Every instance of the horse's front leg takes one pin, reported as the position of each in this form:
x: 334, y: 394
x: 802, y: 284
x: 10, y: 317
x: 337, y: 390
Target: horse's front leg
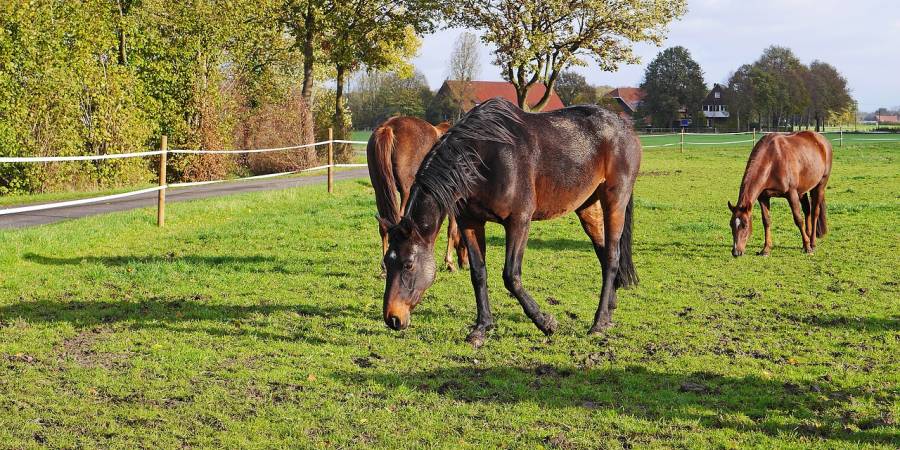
x: 767, y: 225
x: 516, y: 240
x: 472, y: 235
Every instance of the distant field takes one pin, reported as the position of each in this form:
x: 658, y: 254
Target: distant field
x: 254, y: 321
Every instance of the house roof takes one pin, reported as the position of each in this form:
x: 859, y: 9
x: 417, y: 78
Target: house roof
x: 630, y: 96
x: 481, y: 91
x: 711, y: 96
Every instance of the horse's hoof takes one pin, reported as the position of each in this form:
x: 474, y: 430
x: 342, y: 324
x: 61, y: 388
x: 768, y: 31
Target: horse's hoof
x: 809, y: 250
x: 550, y: 325
x: 476, y: 338
x: 600, y: 328
x: 763, y: 253
x: 451, y: 268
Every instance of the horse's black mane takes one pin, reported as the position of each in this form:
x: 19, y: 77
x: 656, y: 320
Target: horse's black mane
x: 453, y: 165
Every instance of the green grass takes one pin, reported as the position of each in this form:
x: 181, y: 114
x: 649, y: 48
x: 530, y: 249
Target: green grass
x: 254, y: 321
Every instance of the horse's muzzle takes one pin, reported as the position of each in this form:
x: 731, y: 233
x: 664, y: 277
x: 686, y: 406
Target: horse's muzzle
x: 395, y: 323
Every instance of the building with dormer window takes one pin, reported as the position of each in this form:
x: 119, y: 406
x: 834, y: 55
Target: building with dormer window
x: 714, y: 107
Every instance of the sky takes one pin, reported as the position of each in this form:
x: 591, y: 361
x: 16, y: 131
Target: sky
x: 860, y: 38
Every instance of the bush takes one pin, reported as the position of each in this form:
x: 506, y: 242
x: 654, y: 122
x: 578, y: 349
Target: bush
x: 281, y: 124
x: 323, y: 115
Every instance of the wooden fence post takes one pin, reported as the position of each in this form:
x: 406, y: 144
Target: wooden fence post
x: 842, y: 136
x: 161, y: 194
x: 330, y: 160
x: 754, y: 136
x: 682, y: 140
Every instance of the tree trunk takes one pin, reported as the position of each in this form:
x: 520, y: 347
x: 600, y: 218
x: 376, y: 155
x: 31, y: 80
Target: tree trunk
x: 123, y: 56
x: 309, y: 56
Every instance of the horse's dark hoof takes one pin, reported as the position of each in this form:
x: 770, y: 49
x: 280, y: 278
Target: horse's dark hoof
x: 476, y: 337
x: 809, y: 250
x: 763, y: 253
x: 549, y: 324
x: 600, y: 328
x: 451, y: 267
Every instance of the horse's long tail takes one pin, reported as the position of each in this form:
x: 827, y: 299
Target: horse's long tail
x: 627, y: 275
x: 381, y: 172
x: 822, y: 222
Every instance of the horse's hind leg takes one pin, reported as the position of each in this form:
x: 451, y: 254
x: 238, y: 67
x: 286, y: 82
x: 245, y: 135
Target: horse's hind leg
x: 816, y: 197
x: 591, y: 217
x: 615, y: 203
x: 794, y: 201
x: 807, y: 214
x: 516, y: 240
x: 452, y: 242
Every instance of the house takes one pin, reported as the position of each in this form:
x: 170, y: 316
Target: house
x: 714, y: 107
x: 628, y: 99
x: 475, y: 92
x: 883, y: 119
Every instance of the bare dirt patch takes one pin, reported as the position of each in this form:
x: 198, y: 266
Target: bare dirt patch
x: 80, y: 348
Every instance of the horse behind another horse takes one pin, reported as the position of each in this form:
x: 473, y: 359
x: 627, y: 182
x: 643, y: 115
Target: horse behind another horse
x: 394, y: 153
x: 795, y: 166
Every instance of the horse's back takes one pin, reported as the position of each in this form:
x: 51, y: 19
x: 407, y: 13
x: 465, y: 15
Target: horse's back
x: 796, y: 161
x: 575, y: 150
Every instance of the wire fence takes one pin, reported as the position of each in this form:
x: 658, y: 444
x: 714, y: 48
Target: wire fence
x: 648, y: 141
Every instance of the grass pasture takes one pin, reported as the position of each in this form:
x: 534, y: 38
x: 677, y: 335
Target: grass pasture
x: 254, y: 321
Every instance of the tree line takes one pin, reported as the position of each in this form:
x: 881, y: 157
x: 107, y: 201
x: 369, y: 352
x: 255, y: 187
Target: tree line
x: 112, y: 76
x: 776, y: 91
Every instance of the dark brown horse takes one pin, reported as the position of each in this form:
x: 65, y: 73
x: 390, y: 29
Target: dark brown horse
x: 395, y: 151
x: 503, y: 165
x: 789, y: 166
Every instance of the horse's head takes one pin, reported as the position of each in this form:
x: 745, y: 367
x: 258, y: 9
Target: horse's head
x: 410, y: 267
x: 741, y: 226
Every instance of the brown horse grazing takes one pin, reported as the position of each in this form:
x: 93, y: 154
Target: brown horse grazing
x: 504, y: 165
x: 395, y: 151
x: 784, y: 165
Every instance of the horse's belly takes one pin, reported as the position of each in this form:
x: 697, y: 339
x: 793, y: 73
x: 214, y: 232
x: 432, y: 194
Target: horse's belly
x: 553, y: 203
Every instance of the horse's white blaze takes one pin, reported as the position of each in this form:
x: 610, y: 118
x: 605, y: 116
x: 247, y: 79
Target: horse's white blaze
x: 392, y: 255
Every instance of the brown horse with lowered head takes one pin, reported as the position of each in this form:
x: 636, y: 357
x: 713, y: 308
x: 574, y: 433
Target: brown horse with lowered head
x: 795, y: 166
x: 503, y: 165
x: 394, y: 153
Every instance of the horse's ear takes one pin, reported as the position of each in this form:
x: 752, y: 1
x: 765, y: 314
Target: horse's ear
x: 408, y: 228
x: 730, y: 206
x: 385, y: 223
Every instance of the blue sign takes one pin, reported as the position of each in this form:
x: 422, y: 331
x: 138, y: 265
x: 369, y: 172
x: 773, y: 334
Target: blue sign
x: 685, y: 122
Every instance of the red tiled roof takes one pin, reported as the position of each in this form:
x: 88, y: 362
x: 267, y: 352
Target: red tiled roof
x: 632, y: 97
x: 482, y: 91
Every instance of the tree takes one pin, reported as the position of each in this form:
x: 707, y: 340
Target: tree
x: 377, y: 96
x: 828, y: 92
x: 465, y: 64
x: 787, y: 90
x: 376, y: 34
x: 673, y: 81
x: 536, y: 40
x: 573, y: 89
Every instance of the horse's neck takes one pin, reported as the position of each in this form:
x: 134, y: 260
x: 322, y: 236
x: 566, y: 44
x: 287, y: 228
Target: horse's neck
x: 752, y: 184
x: 425, y: 213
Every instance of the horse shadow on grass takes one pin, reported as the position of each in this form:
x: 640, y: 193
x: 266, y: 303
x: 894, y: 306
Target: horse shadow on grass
x: 816, y: 410
x: 255, y: 263
x: 190, y: 314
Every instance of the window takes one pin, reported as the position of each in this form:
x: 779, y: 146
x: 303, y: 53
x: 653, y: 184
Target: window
x: 718, y: 95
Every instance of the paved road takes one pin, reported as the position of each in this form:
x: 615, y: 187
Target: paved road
x: 173, y: 195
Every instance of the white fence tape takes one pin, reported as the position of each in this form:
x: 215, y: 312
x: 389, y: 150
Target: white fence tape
x: 83, y: 201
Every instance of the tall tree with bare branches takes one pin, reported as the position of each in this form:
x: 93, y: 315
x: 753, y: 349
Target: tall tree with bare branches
x: 465, y: 65
x: 535, y: 40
